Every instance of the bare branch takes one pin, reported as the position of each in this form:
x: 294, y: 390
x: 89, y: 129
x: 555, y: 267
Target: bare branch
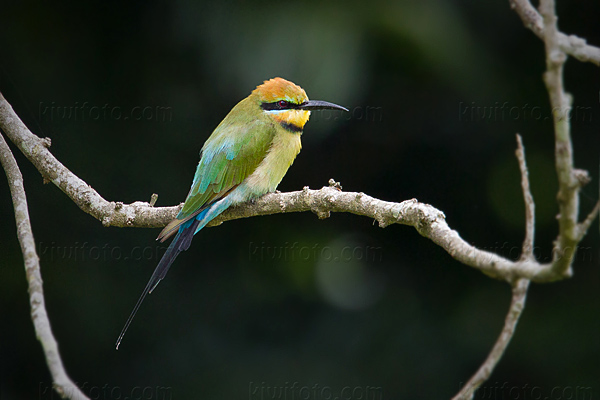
x: 62, y: 383
x: 429, y: 221
x: 568, y: 182
x: 517, y: 304
x: 572, y: 45
x: 527, y: 253
x: 519, y: 289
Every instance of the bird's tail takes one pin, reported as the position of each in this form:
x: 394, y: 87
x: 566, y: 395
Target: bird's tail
x: 180, y: 243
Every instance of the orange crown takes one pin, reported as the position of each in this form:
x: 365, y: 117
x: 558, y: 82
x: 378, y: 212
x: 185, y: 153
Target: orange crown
x: 280, y: 89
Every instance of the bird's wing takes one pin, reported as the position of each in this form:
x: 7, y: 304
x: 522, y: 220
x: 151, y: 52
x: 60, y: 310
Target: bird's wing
x: 231, y: 154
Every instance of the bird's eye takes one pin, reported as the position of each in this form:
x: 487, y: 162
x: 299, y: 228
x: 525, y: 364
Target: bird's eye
x: 283, y: 104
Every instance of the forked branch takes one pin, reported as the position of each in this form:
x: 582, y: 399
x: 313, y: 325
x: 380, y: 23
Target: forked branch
x: 519, y: 289
x: 572, y: 45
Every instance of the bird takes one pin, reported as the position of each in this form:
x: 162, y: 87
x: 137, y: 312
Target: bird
x: 245, y: 157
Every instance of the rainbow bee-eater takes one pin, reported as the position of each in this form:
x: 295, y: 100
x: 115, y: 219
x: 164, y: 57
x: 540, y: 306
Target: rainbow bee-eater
x: 246, y: 156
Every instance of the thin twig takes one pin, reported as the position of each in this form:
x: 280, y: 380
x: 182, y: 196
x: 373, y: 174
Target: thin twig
x: 527, y: 253
x: 517, y: 304
x: 62, y: 383
x: 583, y: 227
x: 572, y: 45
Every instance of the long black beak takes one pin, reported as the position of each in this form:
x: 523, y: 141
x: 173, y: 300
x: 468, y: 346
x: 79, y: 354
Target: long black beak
x: 320, y: 105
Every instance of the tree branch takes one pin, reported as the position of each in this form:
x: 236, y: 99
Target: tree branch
x: 568, y: 181
x: 517, y: 304
x: 427, y: 220
x: 572, y: 45
x: 62, y: 383
x: 519, y: 289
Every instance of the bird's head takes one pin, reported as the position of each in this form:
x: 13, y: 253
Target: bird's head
x: 288, y: 104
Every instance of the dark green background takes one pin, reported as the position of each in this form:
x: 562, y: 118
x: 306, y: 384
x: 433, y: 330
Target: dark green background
x: 411, y: 320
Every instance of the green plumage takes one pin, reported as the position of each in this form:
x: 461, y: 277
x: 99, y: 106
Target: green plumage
x: 243, y: 144
x: 233, y: 151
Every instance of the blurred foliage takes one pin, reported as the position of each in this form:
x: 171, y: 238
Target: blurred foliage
x: 437, y: 90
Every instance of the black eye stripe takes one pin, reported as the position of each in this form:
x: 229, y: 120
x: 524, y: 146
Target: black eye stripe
x: 279, y: 105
